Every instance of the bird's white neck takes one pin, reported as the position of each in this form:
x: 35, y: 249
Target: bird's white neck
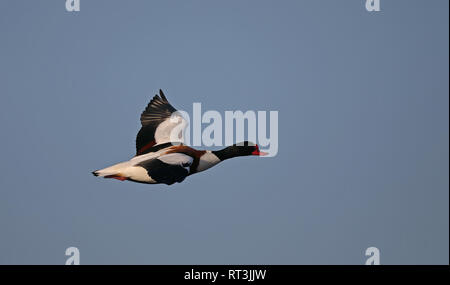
x: 207, y: 160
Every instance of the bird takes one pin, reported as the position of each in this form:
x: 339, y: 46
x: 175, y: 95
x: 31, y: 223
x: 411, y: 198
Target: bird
x: 161, y: 155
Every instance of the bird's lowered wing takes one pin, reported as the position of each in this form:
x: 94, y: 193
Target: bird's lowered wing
x: 168, y: 168
x: 161, y: 123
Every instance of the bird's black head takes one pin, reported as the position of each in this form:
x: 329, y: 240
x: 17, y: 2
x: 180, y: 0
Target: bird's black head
x: 240, y: 149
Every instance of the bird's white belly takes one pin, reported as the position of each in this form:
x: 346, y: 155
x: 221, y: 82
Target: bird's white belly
x: 138, y: 173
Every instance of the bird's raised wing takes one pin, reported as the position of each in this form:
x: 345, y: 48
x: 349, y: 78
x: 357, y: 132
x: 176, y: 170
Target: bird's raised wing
x: 161, y: 123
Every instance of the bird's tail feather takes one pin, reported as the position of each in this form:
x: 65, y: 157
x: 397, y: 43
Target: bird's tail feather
x: 110, y: 171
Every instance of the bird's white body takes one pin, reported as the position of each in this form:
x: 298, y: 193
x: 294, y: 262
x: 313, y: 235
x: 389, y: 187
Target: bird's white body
x: 131, y: 170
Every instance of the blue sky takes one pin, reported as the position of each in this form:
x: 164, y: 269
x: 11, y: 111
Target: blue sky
x: 363, y: 131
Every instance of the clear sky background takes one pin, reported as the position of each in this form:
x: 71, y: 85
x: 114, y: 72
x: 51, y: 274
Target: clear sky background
x: 363, y: 131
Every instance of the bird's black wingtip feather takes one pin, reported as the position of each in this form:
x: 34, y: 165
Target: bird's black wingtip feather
x: 161, y: 93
